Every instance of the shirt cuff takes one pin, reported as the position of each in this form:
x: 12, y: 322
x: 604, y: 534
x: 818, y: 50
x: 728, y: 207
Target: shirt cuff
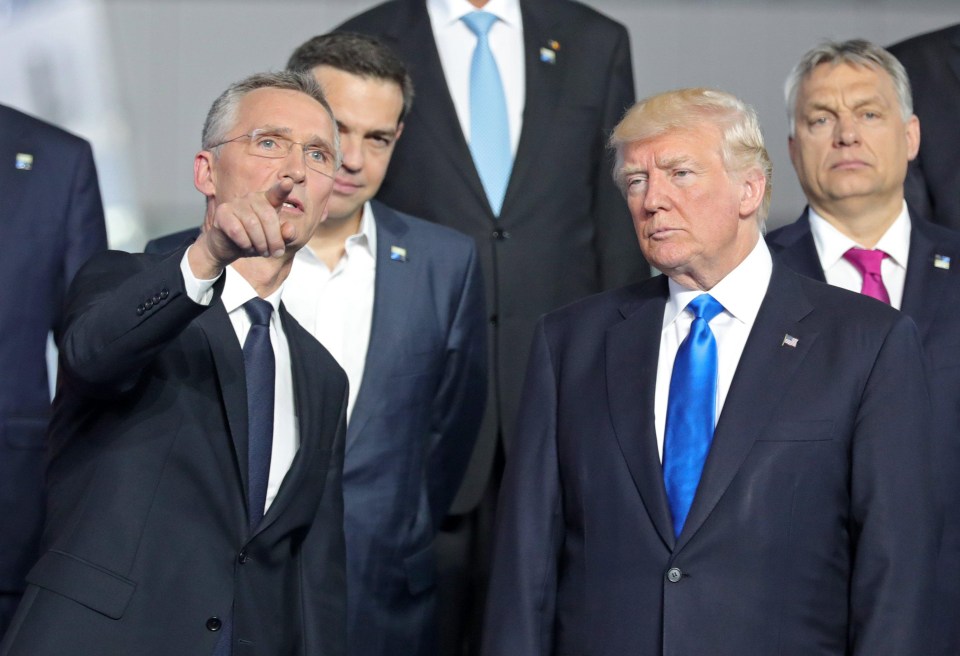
x: 200, y: 291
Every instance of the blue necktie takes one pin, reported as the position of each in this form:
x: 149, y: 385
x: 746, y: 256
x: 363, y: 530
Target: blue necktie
x: 489, y: 127
x: 691, y: 410
x: 259, y: 368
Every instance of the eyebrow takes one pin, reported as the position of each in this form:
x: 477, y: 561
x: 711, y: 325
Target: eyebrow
x: 312, y: 140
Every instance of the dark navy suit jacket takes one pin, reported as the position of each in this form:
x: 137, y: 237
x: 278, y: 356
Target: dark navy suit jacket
x: 931, y: 297
x: 813, y: 529
x: 413, y: 426
x: 51, y: 221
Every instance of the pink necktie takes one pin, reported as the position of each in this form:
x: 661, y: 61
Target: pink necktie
x: 868, y: 264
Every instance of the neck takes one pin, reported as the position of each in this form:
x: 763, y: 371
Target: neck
x: 329, y: 241
x: 479, y: 4
x: 265, y: 274
x: 862, y: 221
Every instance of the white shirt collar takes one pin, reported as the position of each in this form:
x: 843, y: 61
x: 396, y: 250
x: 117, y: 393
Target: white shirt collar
x: 237, y: 291
x: 448, y: 12
x: 832, y: 244
x: 364, y: 238
x: 740, y: 292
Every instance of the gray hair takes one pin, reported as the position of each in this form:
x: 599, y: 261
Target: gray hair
x: 222, y: 116
x: 741, y: 139
x: 856, y: 52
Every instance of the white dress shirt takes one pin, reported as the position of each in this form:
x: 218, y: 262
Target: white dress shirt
x: 740, y: 293
x: 336, y: 306
x: 832, y: 244
x: 455, y: 43
x: 236, y: 292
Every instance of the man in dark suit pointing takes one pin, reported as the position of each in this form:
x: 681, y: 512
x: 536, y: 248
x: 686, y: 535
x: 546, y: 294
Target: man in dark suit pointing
x: 196, y: 446
x: 726, y: 460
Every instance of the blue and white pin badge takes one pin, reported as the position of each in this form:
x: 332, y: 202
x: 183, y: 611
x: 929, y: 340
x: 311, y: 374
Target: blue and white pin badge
x: 789, y: 340
x: 941, y: 262
x: 398, y: 254
x: 548, y: 54
x: 24, y: 162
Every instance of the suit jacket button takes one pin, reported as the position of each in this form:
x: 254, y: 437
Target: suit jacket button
x: 493, y: 320
x: 141, y: 310
x: 164, y: 293
x: 500, y: 235
x: 674, y: 574
x: 214, y: 624
x: 156, y: 298
x: 242, y: 557
x: 148, y: 303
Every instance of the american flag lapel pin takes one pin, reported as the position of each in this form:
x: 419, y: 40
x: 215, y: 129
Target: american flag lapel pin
x: 941, y: 262
x: 548, y: 54
x: 24, y: 162
x: 789, y: 340
x: 398, y: 254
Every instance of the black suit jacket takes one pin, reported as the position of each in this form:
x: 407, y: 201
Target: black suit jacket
x: 413, y: 426
x: 564, y: 230
x: 933, y: 180
x: 931, y: 297
x: 813, y: 529
x: 51, y: 221
x: 146, y: 548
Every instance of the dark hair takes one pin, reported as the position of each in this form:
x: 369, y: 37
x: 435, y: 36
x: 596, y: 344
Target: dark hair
x: 357, y: 54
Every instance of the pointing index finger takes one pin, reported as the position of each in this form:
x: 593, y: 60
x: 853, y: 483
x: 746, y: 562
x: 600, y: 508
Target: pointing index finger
x: 278, y: 193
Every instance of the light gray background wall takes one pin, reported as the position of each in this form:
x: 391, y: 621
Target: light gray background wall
x: 173, y: 56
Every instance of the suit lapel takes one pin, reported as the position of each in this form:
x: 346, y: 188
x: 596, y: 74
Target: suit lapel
x: 632, y: 353
x: 395, y: 279
x: 765, y: 370
x: 797, y: 249
x: 228, y: 361
x: 542, y: 93
x: 14, y: 182
x: 924, y: 280
x: 434, y: 111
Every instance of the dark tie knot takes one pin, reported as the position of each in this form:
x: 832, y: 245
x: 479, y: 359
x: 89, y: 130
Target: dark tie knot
x: 705, y: 307
x: 259, y: 311
x: 867, y: 262
x: 480, y: 22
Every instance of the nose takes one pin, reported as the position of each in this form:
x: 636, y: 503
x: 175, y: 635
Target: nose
x: 655, y: 197
x: 352, y: 153
x: 294, y: 164
x: 847, y: 131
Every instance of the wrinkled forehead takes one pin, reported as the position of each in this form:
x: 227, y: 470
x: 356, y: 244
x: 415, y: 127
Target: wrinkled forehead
x: 285, y: 112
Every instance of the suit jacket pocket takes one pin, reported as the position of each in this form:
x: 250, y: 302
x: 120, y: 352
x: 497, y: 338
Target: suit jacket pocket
x: 421, y: 569
x: 799, y: 430
x: 24, y: 432
x: 92, y: 586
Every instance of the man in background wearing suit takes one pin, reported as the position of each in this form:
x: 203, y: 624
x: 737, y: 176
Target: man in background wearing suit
x: 729, y: 459
x: 399, y: 303
x: 852, y: 134
x: 933, y: 62
x: 196, y: 445
x: 51, y: 222
x: 506, y: 144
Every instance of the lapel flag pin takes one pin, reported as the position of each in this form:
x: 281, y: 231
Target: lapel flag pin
x: 789, y: 340
x: 548, y: 56
x: 398, y: 254
x: 941, y: 261
x: 24, y: 161
x: 554, y: 44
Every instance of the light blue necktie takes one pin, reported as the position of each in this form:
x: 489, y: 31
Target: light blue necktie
x: 691, y: 410
x: 489, y: 127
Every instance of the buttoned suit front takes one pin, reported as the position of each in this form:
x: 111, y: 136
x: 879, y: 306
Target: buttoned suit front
x: 931, y: 297
x: 51, y: 221
x: 413, y: 426
x: 147, y: 548
x: 813, y: 528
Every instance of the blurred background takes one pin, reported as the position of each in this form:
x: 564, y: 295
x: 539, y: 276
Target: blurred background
x: 136, y: 77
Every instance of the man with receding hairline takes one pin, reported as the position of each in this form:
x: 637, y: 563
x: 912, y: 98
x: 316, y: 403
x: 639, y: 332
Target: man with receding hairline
x: 196, y: 447
x: 726, y: 460
x: 853, y: 134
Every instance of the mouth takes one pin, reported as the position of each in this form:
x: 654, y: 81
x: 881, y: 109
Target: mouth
x: 342, y: 186
x: 849, y: 165
x: 293, y: 204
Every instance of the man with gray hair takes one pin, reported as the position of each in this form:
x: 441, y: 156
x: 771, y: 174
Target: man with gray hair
x: 726, y: 460
x: 196, y: 447
x: 852, y: 135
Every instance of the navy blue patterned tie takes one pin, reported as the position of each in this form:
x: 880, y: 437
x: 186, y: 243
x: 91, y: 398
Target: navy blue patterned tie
x: 259, y: 367
x: 691, y: 410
